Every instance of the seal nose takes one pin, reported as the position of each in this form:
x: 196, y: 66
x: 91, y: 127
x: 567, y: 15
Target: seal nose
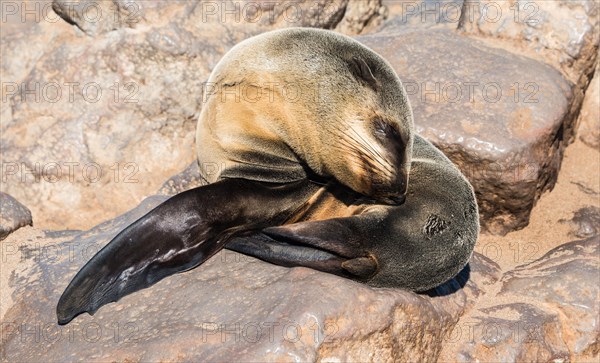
x: 393, y: 199
x: 398, y: 199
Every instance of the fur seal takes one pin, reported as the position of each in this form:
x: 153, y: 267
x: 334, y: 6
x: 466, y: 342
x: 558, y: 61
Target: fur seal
x: 417, y: 245
x: 319, y: 182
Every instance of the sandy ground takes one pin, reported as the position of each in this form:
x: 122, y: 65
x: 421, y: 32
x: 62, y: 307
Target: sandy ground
x: 578, y: 186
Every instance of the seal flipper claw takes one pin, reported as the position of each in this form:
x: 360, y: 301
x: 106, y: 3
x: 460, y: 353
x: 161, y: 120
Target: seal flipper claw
x: 176, y: 236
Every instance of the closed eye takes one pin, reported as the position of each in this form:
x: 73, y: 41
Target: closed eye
x: 381, y: 127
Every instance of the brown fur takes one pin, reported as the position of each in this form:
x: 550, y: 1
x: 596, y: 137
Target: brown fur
x: 326, y: 125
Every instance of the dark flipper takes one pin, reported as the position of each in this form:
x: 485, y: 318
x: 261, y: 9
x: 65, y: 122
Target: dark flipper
x: 176, y: 236
x: 329, y: 246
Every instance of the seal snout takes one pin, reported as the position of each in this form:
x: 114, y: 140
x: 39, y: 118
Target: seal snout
x: 394, y: 191
x: 394, y: 199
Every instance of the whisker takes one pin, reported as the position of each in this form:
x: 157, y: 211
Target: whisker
x: 367, y: 151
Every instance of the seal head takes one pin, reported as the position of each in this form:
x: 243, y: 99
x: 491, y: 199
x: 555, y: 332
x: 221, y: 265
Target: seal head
x: 301, y: 103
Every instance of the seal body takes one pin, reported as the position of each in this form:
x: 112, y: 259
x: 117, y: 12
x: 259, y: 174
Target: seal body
x: 417, y: 245
x: 306, y: 142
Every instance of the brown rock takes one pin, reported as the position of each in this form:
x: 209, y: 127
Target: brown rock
x: 13, y: 215
x: 231, y: 308
x: 545, y: 310
x: 566, y: 279
x: 361, y: 16
x: 565, y: 32
x: 110, y: 117
x: 422, y: 14
x: 98, y: 16
x: 529, y: 334
x: 503, y: 119
x: 589, y: 116
x: 28, y: 30
x: 187, y: 179
x: 562, y: 33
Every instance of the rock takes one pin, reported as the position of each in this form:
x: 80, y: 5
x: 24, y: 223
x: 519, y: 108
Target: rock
x: 585, y: 222
x: 187, y: 179
x: 361, y: 16
x: 566, y: 32
x: 502, y: 118
x: 98, y: 16
x: 589, y: 116
x: 566, y: 278
x: 562, y: 33
x: 545, y: 310
x: 232, y: 307
x: 28, y: 30
x: 529, y: 335
x: 99, y: 120
x: 105, y: 142
x: 13, y: 216
x: 423, y: 14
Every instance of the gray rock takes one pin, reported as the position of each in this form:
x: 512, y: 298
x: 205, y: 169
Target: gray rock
x: 546, y: 310
x: 233, y: 308
x: 13, y: 215
x: 503, y: 119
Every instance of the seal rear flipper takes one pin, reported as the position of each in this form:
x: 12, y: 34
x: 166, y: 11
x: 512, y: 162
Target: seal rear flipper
x: 176, y: 236
x: 280, y: 253
x: 328, y: 246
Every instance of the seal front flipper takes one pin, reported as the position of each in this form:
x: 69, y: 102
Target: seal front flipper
x: 176, y: 236
x: 330, y: 246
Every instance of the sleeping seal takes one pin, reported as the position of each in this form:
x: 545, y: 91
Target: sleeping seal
x: 320, y: 179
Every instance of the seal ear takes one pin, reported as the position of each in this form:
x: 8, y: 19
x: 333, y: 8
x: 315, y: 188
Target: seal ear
x: 361, y: 70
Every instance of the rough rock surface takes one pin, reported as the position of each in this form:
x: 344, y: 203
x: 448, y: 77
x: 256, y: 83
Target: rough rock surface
x: 97, y: 119
x: 232, y: 307
x: 564, y: 31
x: 361, y: 16
x: 13, y: 215
x: 504, y: 119
x: 351, y: 17
x: 422, y: 14
x: 589, y: 117
x: 95, y: 17
x: 553, y: 308
x: 187, y: 179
